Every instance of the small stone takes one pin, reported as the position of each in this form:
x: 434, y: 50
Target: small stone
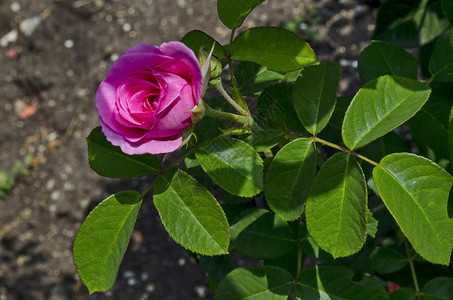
x: 150, y: 288
x: 114, y: 57
x: 69, y: 44
x: 144, y: 276
x: 128, y: 274
x: 15, y: 7
x: 55, y: 195
x: 201, y: 291
x: 21, y: 260
x: 131, y: 282
x: 127, y: 27
x: 50, y: 184
x: 181, y: 261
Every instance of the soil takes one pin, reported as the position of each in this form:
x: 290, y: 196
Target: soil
x: 48, y: 81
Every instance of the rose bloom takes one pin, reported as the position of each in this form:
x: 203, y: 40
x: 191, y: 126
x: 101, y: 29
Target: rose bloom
x: 144, y: 101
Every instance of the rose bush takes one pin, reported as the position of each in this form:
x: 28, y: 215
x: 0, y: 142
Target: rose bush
x: 144, y: 101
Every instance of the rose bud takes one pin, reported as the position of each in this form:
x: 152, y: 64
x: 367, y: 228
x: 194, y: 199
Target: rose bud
x: 144, y: 103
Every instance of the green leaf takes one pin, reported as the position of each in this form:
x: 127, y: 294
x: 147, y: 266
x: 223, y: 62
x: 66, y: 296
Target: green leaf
x: 387, y: 260
x: 264, y: 140
x: 273, y: 48
x: 216, y: 267
x: 256, y: 283
x: 287, y: 261
x: 309, y: 246
x: 439, y: 288
x: 289, y: 178
x: 315, y: 95
x: 336, y: 209
x: 450, y: 134
x: 409, y: 23
x: 332, y: 132
x: 259, y: 233
x: 102, y: 153
x: 441, y: 61
x: 380, y: 106
x: 335, y: 282
x: 415, y: 191
x: 276, y: 110
x: 233, y: 12
x: 447, y: 7
x: 190, y: 214
x: 384, y: 58
x: 233, y: 165
x: 252, y: 78
x: 197, y: 39
x: 429, y: 129
x: 372, y: 225
x: 403, y: 294
x: 376, y: 150
x: 102, y: 240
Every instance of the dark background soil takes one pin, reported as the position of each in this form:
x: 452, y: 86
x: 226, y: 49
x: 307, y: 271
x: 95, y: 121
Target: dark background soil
x: 56, y: 70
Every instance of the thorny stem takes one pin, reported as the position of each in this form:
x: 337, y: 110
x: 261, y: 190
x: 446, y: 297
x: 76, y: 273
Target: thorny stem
x: 411, y: 264
x: 230, y: 100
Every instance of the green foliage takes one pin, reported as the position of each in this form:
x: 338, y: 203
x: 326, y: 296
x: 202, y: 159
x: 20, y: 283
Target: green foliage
x: 184, y: 206
x: 384, y: 58
x: 387, y: 260
x: 419, y: 209
x: 335, y: 282
x: 409, y: 23
x: 276, y: 110
x: 102, y: 153
x: 336, y: 209
x: 255, y: 283
x: 252, y: 78
x: 429, y: 128
x: 438, y: 288
x: 289, y: 178
x: 197, y: 40
x: 304, y: 175
x: 441, y: 62
x: 259, y: 233
x: 233, y: 165
x: 315, y: 95
x: 102, y: 240
x: 274, y: 48
x: 380, y: 106
x: 233, y: 12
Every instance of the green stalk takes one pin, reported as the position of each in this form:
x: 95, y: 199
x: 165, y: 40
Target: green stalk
x: 411, y: 265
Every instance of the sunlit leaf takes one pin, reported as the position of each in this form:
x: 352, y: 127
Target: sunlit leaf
x: 273, y: 48
x: 190, y: 214
x: 232, y: 164
x: 381, y: 105
x: 336, y: 209
x: 102, y: 240
x: 289, y: 178
x: 415, y: 191
x: 315, y: 95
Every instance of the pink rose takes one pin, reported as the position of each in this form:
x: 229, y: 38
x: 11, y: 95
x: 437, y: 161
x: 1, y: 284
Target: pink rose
x: 143, y: 102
